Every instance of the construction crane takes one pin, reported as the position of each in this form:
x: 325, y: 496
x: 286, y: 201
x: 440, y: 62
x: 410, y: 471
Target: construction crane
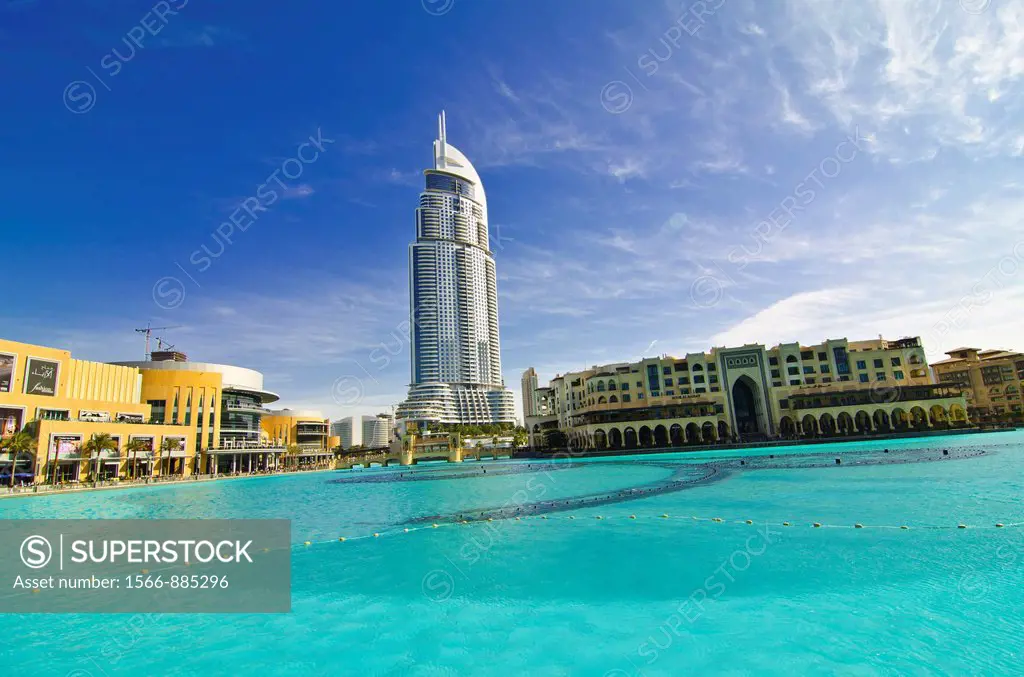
x: 148, y: 331
x: 162, y: 345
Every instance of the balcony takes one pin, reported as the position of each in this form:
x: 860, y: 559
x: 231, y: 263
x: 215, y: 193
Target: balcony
x: 247, y: 407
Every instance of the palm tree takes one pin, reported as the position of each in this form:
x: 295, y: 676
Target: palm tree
x: 520, y: 438
x: 20, y: 443
x: 133, y: 447
x: 168, y: 444
x: 97, y: 444
x: 292, y: 450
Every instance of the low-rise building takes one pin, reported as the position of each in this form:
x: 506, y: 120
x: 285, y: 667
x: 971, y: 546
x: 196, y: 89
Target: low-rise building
x: 747, y: 393
x: 62, y: 402
x: 992, y: 381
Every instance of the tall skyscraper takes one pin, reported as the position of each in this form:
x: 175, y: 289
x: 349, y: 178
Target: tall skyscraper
x: 453, y: 290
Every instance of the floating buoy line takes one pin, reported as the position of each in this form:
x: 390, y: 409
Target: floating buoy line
x: 629, y: 519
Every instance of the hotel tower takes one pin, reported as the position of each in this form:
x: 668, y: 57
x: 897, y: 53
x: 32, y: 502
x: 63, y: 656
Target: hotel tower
x: 453, y: 295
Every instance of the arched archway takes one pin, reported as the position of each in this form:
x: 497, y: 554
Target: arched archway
x: 676, y: 435
x: 899, y: 419
x: 745, y: 405
x: 615, y: 438
x: 660, y: 436
x: 862, y: 421
x: 881, y: 420
x: 613, y: 399
x: 810, y: 425
x: 918, y: 418
x: 646, y: 439
x: 630, y: 438
x: 723, y: 430
x: 692, y: 433
x: 938, y: 417
x: 600, y: 439
x: 957, y: 415
x: 844, y: 422
x: 828, y: 424
x: 602, y: 400
x: 786, y: 427
x: 707, y: 431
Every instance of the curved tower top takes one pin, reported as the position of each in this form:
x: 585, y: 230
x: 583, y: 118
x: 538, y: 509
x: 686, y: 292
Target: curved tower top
x: 448, y: 158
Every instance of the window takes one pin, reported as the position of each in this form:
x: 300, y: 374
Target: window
x: 878, y: 364
x: 827, y: 379
x: 682, y: 380
x: 666, y: 370
x: 711, y: 367
x: 158, y: 410
x: 824, y: 368
x: 625, y: 386
x: 668, y: 381
x: 879, y: 375
x: 625, y: 397
x: 809, y: 380
x: 808, y: 369
x: 639, y: 396
x: 861, y: 364
x: 719, y: 409
x: 775, y: 373
x: 897, y: 374
x: 790, y: 359
x: 895, y: 361
x: 794, y: 381
x: 776, y: 384
x: 774, y: 361
x: 822, y: 357
x: 670, y: 392
x: 679, y: 366
x: 698, y: 379
x: 715, y: 389
x: 863, y: 378
x: 806, y: 354
x: 696, y: 367
x: 793, y: 371
x: 844, y: 378
x: 701, y: 390
x: 639, y: 384
x: 783, y: 404
x: 53, y: 414
x: 684, y: 391
x: 713, y: 379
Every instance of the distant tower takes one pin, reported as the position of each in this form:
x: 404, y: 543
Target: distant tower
x: 456, y: 353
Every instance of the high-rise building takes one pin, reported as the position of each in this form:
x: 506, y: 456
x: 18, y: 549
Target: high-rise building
x: 343, y: 429
x: 529, y: 386
x: 456, y: 354
x: 377, y: 431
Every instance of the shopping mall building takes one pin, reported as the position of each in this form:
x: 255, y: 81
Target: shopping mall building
x: 167, y: 417
x: 745, y: 393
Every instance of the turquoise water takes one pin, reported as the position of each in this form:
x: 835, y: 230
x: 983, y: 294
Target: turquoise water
x: 616, y: 596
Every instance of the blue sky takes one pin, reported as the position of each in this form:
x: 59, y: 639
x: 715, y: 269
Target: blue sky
x: 662, y: 177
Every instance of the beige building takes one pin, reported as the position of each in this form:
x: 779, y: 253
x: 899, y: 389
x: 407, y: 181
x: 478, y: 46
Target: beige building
x: 991, y: 381
x: 749, y: 393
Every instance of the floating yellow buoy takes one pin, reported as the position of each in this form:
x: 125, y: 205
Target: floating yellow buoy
x: 543, y: 517
x: 999, y: 525
x: 961, y: 526
x: 858, y: 525
x: 817, y: 525
x: 490, y: 519
x: 517, y: 519
x: 785, y: 524
x: 571, y: 517
x: 664, y: 516
x: 904, y: 527
x: 599, y: 517
x: 376, y: 535
x: 308, y: 543
x: 750, y: 521
x: 632, y: 517
x: 407, y: 530
x: 435, y: 526
x: 341, y: 539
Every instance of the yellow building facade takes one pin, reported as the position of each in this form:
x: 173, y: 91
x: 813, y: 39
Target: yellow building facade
x: 747, y: 393
x: 62, y: 402
x: 992, y: 381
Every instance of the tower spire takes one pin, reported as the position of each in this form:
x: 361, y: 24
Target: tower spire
x: 442, y: 134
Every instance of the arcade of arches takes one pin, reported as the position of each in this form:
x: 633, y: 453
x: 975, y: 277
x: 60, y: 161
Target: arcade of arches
x: 833, y: 421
